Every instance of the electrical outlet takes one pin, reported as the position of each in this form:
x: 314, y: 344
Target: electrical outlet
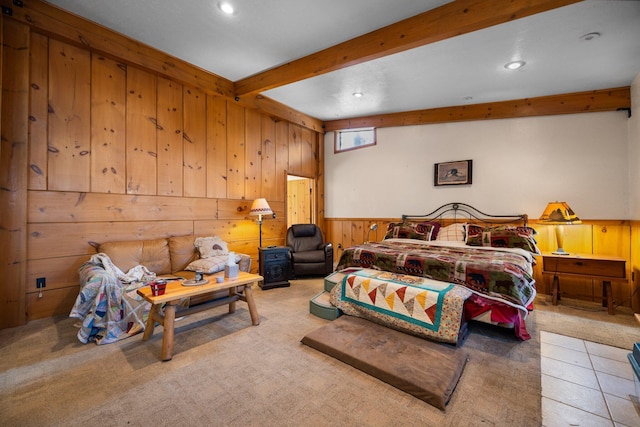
x: 41, y: 282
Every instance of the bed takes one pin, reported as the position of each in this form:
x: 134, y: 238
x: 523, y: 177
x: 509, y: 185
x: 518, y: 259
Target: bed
x: 492, y: 256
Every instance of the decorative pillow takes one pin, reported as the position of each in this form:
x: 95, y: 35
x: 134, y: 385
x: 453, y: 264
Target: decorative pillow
x: 410, y: 230
x: 210, y: 246
x: 435, y: 231
x: 453, y: 233
x: 504, y: 236
x: 212, y: 264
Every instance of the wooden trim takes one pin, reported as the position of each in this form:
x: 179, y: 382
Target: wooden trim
x: 570, y: 103
x: 451, y: 20
x: 275, y: 108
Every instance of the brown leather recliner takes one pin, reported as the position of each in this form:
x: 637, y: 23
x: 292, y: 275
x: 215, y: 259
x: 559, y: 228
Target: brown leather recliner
x: 310, y: 254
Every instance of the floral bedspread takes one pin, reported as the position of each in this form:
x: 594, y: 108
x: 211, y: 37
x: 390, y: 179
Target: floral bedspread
x: 416, y: 305
x: 110, y: 310
x: 494, y: 274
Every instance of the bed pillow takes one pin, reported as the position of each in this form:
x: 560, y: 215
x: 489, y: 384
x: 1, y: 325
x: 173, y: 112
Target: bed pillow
x: 210, y: 246
x: 452, y: 233
x: 504, y: 236
x: 410, y: 230
x: 435, y: 230
x: 212, y: 264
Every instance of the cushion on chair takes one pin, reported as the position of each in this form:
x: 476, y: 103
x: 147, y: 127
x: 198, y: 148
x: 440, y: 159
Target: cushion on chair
x: 309, y: 256
x: 153, y: 254
x: 182, y: 252
x: 303, y: 230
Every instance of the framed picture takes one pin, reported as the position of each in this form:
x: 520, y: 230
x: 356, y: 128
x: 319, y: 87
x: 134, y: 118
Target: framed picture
x: 453, y: 173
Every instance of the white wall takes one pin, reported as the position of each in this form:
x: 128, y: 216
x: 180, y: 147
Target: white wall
x: 518, y: 166
x: 634, y: 150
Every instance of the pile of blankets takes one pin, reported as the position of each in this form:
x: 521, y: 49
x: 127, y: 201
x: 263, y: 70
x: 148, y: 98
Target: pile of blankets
x: 108, y: 305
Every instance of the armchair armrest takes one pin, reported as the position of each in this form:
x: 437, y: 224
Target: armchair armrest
x: 327, y: 247
x: 245, y: 263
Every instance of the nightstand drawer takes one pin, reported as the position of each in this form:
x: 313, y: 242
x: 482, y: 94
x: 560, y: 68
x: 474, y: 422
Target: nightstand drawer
x: 586, y: 267
x: 276, y: 254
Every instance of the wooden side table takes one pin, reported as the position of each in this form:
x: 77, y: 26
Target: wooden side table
x: 275, y: 267
x: 580, y: 266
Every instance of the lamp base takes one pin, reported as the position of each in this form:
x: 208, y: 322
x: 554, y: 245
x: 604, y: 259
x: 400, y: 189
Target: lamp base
x: 560, y: 251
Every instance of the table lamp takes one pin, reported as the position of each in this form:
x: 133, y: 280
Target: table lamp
x: 559, y: 214
x: 260, y: 207
x: 372, y: 227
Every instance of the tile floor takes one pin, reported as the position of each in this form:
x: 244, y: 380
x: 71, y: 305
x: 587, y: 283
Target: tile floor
x: 585, y: 383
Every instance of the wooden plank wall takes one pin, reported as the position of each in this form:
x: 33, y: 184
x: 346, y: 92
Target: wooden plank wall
x: 13, y: 172
x: 612, y: 238
x: 112, y: 151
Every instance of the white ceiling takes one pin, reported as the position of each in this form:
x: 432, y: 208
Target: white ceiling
x: 467, y: 69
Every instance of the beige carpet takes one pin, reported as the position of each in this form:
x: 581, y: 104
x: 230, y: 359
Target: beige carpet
x: 227, y: 372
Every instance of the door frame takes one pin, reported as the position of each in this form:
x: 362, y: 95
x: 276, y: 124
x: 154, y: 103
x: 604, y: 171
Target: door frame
x: 313, y: 185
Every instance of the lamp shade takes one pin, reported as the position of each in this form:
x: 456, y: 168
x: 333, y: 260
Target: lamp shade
x: 260, y: 207
x: 559, y: 213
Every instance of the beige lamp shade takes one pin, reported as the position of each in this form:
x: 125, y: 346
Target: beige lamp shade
x: 559, y: 214
x: 260, y: 207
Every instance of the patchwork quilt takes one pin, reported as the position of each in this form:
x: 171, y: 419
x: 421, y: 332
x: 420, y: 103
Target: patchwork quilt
x: 109, y: 309
x: 416, y: 305
x: 494, y: 274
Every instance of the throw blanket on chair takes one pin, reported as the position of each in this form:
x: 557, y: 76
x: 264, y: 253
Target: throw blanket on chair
x: 417, y: 305
x: 108, y: 305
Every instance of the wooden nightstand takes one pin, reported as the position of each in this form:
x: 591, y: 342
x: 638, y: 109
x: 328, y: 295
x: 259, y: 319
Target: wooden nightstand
x: 275, y: 267
x: 580, y: 266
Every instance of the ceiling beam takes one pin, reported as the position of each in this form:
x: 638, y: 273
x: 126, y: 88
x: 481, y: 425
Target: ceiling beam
x: 570, y: 103
x: 450, y: 20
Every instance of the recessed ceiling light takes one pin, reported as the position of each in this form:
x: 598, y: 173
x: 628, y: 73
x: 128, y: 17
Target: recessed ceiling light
x: 590, y: 36
x: 357, y: 94
x: 226, y: 8
x: 514, y: 65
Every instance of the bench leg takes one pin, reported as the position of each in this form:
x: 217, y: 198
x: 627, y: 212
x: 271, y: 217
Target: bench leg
x: 151, y: 323
x: 168, y: 333
x: 607, y: 297
x: 555, y: 290
x: 253, y: 310
x: 232, y: 305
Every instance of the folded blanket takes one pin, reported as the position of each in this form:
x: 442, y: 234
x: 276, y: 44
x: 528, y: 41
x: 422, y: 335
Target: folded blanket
x: 416, y: 305
x: 136, y: 274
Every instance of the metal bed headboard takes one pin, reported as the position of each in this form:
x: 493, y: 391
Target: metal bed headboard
x: 455, y: 209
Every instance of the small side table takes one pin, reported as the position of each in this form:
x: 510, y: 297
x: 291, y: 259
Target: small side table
x: 595, y: 267
x: 275, y: 267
